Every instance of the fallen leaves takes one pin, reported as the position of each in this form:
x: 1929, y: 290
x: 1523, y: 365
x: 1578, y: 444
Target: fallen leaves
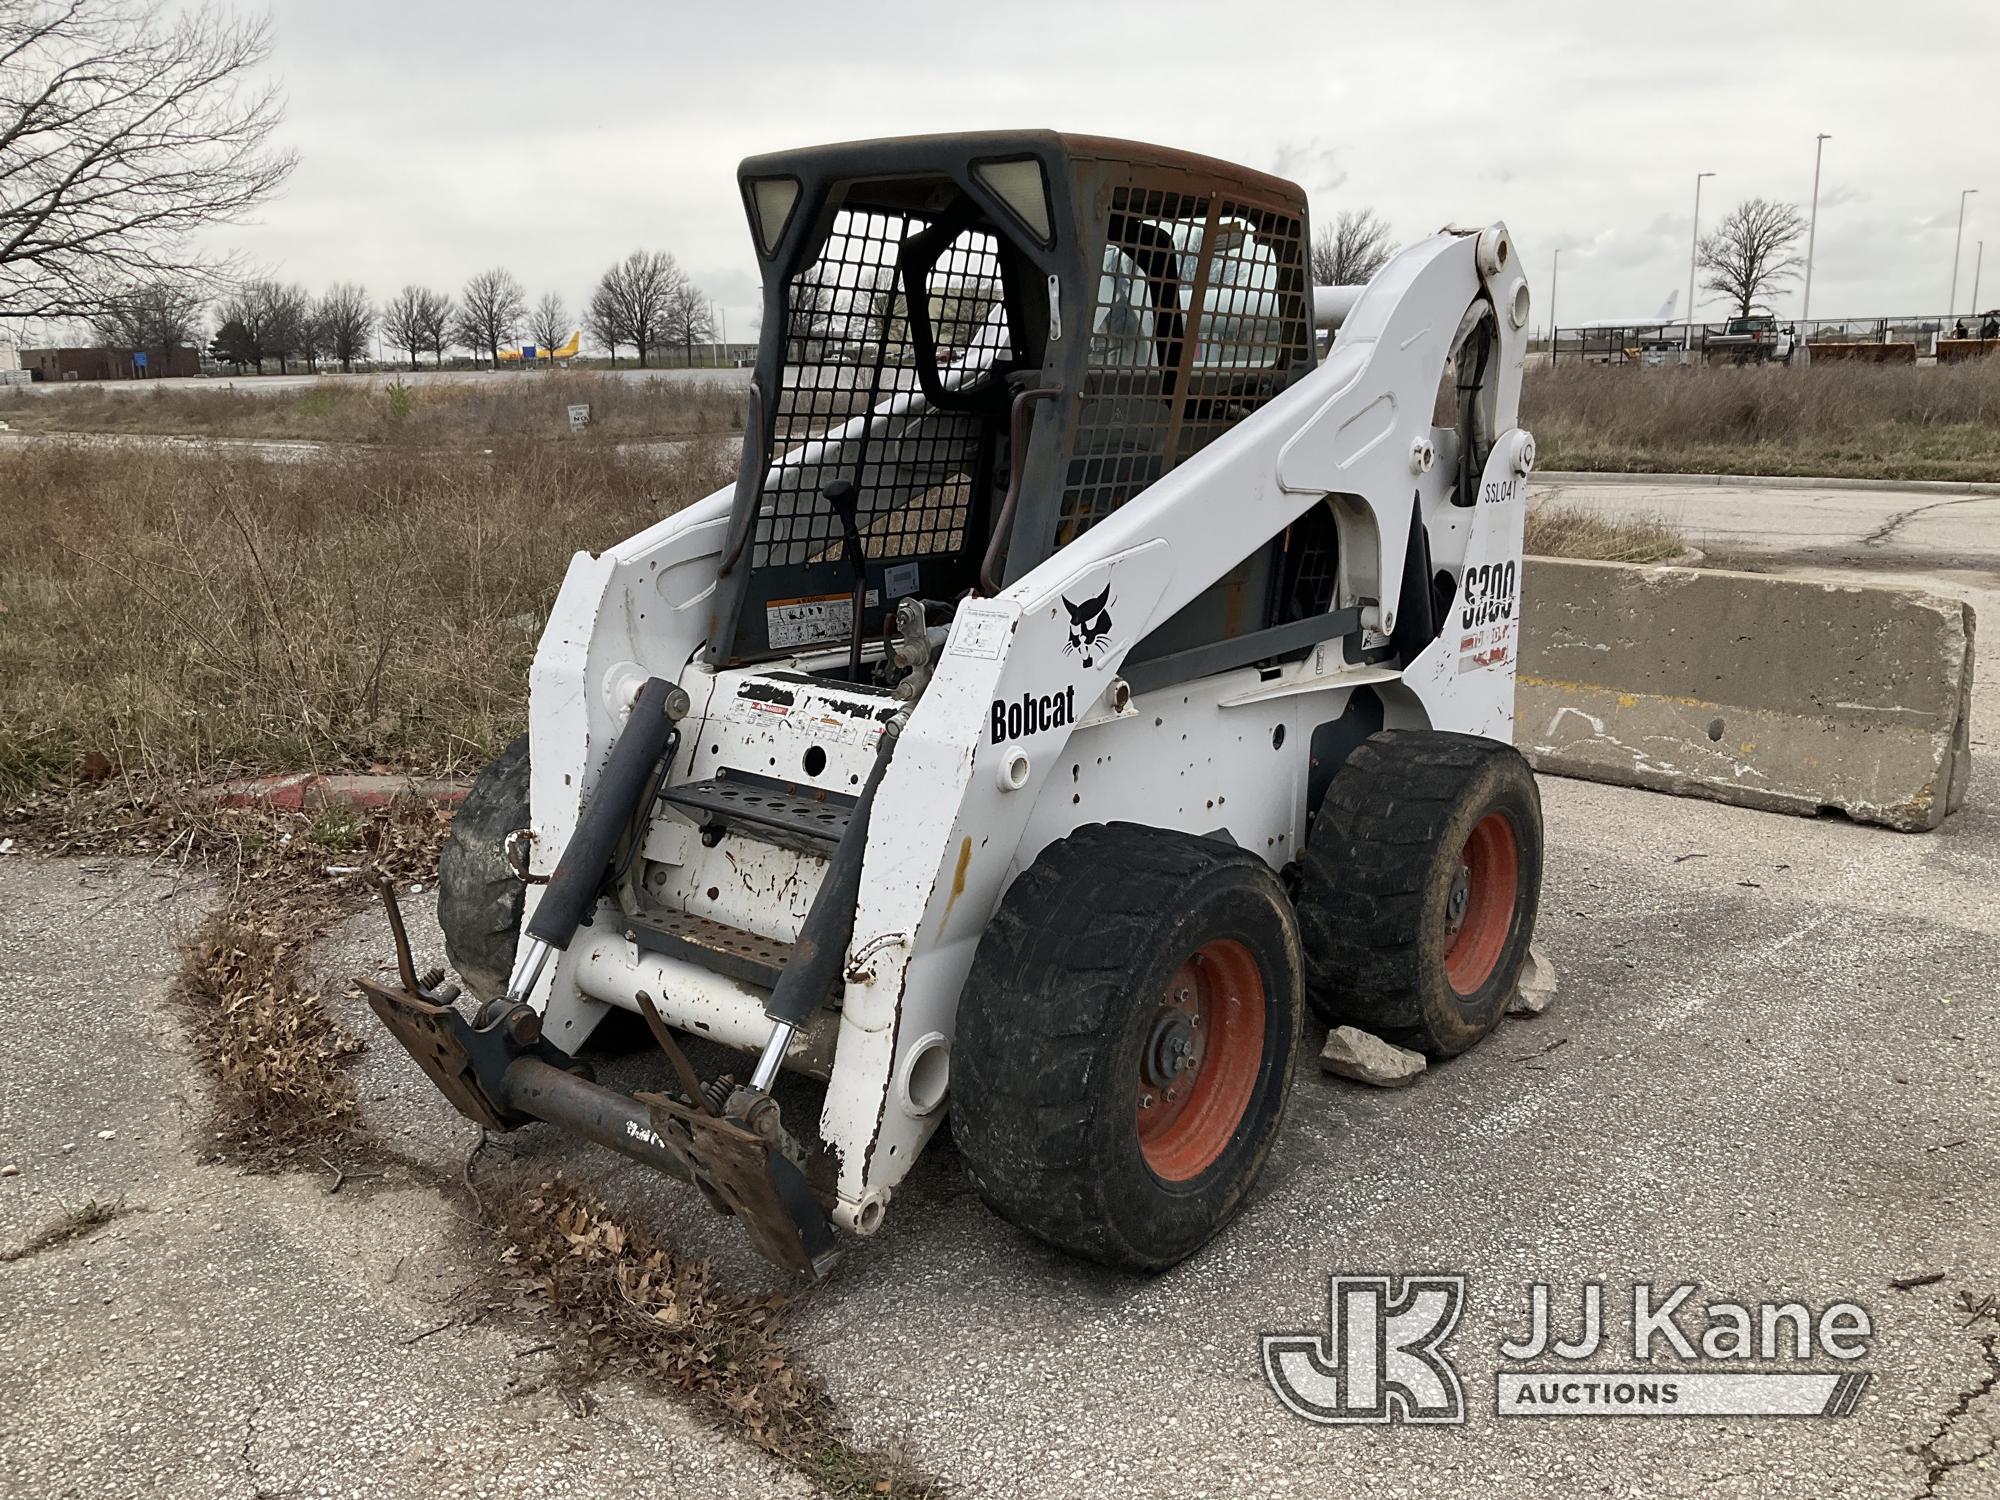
x: 640, y: 1308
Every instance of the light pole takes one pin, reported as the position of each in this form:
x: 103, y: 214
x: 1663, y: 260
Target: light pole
x: 1812, y: 225
x: 1694, y: 250
x: 1978, y: 256
x: 1555, y: 265
x: 1956, y: 245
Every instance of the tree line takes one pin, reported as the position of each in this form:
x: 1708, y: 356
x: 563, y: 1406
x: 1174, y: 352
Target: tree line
x: 644, y: 303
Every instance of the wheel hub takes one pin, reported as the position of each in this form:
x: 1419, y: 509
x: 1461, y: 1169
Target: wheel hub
x: 1456, y: 901
x: 1172, y: 1049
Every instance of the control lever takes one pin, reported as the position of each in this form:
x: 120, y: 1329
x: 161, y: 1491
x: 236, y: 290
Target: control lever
x: 844, y: 498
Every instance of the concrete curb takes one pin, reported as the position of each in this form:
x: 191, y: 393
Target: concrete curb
x: 1771, y: 482
x: 307, y: 790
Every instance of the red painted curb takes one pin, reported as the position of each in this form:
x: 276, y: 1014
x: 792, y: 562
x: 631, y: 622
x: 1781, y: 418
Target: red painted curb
x: 308, y: 789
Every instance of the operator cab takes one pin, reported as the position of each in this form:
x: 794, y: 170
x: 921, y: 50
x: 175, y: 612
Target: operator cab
x: 975, y: 347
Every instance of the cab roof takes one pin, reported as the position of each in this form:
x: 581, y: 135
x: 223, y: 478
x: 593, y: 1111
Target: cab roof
x: 896, y: 156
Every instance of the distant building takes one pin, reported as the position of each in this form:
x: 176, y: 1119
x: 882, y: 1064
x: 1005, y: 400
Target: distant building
x: 106, y: 363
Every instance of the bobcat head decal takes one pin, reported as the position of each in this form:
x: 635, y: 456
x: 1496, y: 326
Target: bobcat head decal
x: 1089, y: 626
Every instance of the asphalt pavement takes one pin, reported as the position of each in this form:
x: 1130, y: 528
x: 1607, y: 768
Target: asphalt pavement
x: 1770, y: 1070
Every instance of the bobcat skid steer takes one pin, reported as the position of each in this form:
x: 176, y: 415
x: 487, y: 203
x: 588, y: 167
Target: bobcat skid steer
x: 1082, y: 678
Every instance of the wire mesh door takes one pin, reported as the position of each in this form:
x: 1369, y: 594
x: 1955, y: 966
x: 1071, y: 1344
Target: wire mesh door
x: 1200, y: 317
x: 849, y: 406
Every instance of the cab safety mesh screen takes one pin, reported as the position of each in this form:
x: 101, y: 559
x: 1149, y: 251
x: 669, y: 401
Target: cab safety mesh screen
x: 849, y: 351
x: 1201, y: 314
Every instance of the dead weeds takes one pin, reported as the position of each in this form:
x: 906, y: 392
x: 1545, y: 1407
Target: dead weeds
x: 278, y: 1061
x: 396, y: 410
x: 275, y: 1056
x: 1555, y: 529
x: 634, y: 1306
x: 203, y: 614
x: 70, y: 1224
x: 1829, y: 421
x: 623, y: 1300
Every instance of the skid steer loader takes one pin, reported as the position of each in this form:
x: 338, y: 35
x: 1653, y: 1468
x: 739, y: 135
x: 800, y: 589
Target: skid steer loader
x: 1081, y: 679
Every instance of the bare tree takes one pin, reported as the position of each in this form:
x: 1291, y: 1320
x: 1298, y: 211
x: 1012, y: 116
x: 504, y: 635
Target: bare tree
x: 690, y: 320
x: 315, y: 338
x: 349, y: 321
x: 631, y: 301
x: 1352, y: 249
x: 403, y: 321
x: 603, y: 321
x: 1752, y: 253
x: 549, y: 325
x: 437, y: 311
x: 490, y: 311
x: 124, y: 129
x: 272, y: 318
x: 157, y: 316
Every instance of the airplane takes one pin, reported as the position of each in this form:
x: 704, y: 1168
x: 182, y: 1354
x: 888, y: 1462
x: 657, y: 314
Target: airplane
x: 1635, y: 325
x: 531, y: 353
x: 1644, y: 340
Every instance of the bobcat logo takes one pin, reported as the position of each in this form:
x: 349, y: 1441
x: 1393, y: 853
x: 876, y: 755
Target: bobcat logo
x: 1089, y: 626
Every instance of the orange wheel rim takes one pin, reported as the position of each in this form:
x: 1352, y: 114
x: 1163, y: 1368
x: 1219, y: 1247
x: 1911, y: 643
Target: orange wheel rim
x: 1479, y: 911
x: 1201, y: 1059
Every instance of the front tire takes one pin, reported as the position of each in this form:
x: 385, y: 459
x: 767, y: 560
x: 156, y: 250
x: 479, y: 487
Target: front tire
x: 1418, y: 889
x: 1125, y: 1043
x: 479, y: 895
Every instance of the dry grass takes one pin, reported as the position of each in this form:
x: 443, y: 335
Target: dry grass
x: 1859, y: 421
x: 636, y: 1307
x: 70, y: 1224
x: 169, y: 620
x: 1559, y: 530
x: 503, y: 405
x: 199, y: 613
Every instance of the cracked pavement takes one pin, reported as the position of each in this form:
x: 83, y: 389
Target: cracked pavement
x: 1770, y: 1069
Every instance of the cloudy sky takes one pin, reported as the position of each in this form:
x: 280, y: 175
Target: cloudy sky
x: 437, y: 137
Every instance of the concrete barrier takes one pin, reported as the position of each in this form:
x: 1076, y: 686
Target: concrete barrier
x: 1867, y: 354
x: 1955, y: 351
x: 1785, y: 694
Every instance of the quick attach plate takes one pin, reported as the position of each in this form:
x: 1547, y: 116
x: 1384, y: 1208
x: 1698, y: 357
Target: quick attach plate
x: 466, y: 1063
x: 760, y: 1184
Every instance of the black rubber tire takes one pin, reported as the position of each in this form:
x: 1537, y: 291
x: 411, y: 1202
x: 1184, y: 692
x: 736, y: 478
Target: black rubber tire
x: 1064, y: 994
x: 1377, y: 876
x: 479, y: 895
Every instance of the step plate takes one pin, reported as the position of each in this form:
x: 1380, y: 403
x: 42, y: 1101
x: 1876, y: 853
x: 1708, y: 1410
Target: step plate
x: 713, y: 945
x: 778, y: 812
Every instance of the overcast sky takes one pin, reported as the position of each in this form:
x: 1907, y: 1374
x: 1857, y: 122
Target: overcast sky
x: 437, y: 138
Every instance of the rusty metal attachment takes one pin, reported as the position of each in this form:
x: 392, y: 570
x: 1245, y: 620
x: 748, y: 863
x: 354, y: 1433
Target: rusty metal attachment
x: 504, y: 1073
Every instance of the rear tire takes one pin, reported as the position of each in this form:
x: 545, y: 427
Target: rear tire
x: 1125, y: 1043
x: 1418, y: 889
x: 479, y: 895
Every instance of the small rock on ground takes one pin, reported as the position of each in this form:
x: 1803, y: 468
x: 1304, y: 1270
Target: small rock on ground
x: 1536, y: 986
x: 1366, y: 1058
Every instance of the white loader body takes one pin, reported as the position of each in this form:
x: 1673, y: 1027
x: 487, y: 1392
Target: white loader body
x: 1028, y: 726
